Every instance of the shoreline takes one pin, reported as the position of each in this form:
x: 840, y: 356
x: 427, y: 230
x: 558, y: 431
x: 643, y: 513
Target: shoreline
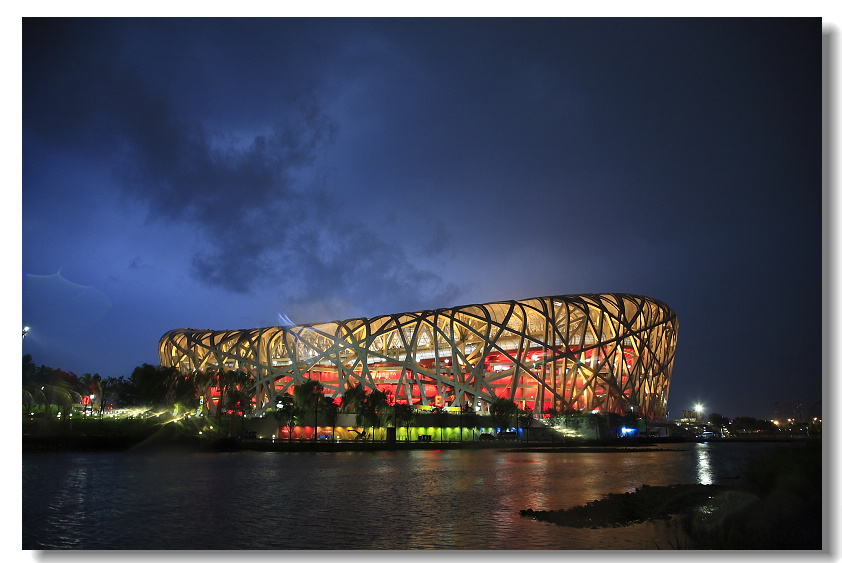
x: 775, y: 505
x: 140, y: 444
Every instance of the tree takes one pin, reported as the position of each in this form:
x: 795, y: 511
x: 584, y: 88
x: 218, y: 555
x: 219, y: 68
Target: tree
x: 502, y: 411
x: 91, y: 385
x: 238, y: 400
x: 525, y: 418
x: 404, y: 415
x: 469, y: 418
x: 29, y: 370
x: 203, y: 380
x: 369, y: 412
x: 353, y: 398
x: 379, y: 404
x: 64, y: 400
x: 58, y: 393
x: 47, y: 392
x: 181, y: 390
x: 225, y: 379
x: 766, y: 426
x: 86, y: 385
x: 151, y: 385
x: 330, y: 411
x: 286, y: 412
x: 746, y: 424
x: 553, y: 418
x: 105, y: 386
x: 366, y: 418
x: 75, y: 399
x: 28, y: 400
x: 38, y: 396
x: 45, y: 375
x: 717, y: 419
x: 308, y: 398
x: 125, y: 392
x: 439, y: 416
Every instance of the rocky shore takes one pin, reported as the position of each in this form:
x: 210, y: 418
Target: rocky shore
x: 777, y: 504
x: 624, y: 509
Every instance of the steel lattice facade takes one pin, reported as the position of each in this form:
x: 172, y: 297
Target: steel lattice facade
x: 595, y: 352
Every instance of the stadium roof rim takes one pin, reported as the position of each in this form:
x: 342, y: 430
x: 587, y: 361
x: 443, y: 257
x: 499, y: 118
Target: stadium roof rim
x: 567, y: 297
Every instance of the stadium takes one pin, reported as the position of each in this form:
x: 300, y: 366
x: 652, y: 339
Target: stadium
x: 600, y: 353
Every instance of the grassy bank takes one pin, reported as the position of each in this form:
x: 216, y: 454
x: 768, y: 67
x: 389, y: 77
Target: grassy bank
x: 150, y: 432
x: 170, y: 438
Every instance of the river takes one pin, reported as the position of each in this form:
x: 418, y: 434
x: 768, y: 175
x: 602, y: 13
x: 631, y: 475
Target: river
x: 419, y: 499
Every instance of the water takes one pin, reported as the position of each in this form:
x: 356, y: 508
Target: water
x: 422, y: 499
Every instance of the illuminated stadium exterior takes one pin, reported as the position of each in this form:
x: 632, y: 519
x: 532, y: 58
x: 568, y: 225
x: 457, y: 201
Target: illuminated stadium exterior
x: 586, y: 353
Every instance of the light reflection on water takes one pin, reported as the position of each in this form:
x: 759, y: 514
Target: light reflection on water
x: 445, y: 499
x: 703, y: 465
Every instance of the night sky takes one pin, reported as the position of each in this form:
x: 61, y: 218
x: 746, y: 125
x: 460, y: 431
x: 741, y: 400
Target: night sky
x: 228, y: 174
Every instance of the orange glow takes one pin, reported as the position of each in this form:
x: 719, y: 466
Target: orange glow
x: 544, y: 352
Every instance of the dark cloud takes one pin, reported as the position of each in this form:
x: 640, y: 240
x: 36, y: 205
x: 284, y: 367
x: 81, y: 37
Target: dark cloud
x: 227, y: 171
x: 263, y: 216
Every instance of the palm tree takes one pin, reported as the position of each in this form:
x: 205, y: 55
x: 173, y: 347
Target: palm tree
x: 75, y: 399
x: 107, y: 386
x: 203, y: 379
x: 353, y: 401
x: 98, y: 388
x: 86, y: 385
x: 377, y: 404
x: 307, y: 398
x: 224, y: 379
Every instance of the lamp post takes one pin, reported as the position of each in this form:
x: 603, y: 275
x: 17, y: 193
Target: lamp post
x: 699, y: 418
x: 393, y: 400
x: 25, y: 330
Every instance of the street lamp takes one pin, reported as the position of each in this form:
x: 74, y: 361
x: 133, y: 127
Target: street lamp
x: 699, y: 414
x: 25, y: 330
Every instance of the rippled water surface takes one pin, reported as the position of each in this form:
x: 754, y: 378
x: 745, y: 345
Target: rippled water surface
x: 444, y: 499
